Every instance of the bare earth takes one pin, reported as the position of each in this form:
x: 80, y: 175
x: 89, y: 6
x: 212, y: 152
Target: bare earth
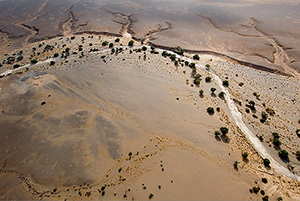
x: 131, y: 125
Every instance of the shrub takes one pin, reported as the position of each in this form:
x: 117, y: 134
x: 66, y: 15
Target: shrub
x: 298, y: 155
x: 279, y: 199
x: 210, y: 110
x: 117, y: 40
x: 275, y: 135
x: 104, y: 43
x: 225, y: 83
x: 151, y: 196
x: 90, y: 44
x: 201, y: 92
x: 247, y: 110
x: 235, y: 164
x: 197, y: 81
x: 19, y: 58
x: 173, y: 57
x: 217, y: 133
x: 224, y: 130
x: 130, y: 43
x: 270, y: 111
x: 241, y: 84
x: 265, y: 198
x: 262, y: 192
x: 144, y: 48
x: 196, y: 57
x: 55, y: 55
x: 111, y: 45
x: 192, y: 65
x: 207, y: 65
x: 16, y: 66
x: 264, y: 180
x: 34, y: 61
x: 252, y: 105
x: 276, y: 142
x: 298, y: 131
x: 221, y: 95
x: 213, y: 89
x: 52, y: 63
x: 256, y: 189
x: 283, y: 154
x: 208, y: 79
x: 245, y: 155
x: 261, y: 138
x: 267, y: 162
x: 72, y: 37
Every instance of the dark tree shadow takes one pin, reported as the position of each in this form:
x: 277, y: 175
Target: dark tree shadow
x: 201, y: 95
x: 246, y: 160
x: 213, y: 95
x: 217, y: 138
x: 285, y: 160
x: 225, y: 139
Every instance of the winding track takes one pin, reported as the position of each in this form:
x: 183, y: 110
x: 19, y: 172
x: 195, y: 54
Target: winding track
x: 236, y: 115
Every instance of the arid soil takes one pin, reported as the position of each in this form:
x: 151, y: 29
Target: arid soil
x: 127, y: 123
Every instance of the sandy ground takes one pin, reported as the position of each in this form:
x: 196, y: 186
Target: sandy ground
x: 125, y: 127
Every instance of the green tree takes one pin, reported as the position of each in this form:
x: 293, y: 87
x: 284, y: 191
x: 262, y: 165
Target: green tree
x: 130, y: 43
x: 224, y: 130
x: 267, y: 162
x: 283, y: 154
x: 210, y: 110
x: 245, y: 155
x: 34, y: 61
x: 196, y: 57
x: 221, y: 95
x: 213, y: 90
x: 225, y: 83
x: 52, y: 63
x: 111, y: 45
x: 117, y: 40
x: 208, y: 79
x: 144, y: 48
x: 173, y: 57
x: 201, y: 92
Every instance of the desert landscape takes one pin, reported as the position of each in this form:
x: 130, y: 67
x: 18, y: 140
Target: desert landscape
x: 149, y: 100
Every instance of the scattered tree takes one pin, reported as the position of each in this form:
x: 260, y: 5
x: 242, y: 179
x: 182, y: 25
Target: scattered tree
x: 298, y: 155
x: 151, y: 196
x: 196, y: 57
x: 210, y: 110
x: 208, y: 79
x: 111, y: 45
x: 283, y: 154
x: 217, y: 133
x: 34, y: 61
x: 267, y: 162
x: 213, y: 90
x: 201, y: 92
x: 265, y: 198
x: 264, y: 180
x: 245, y: 155
x: 221, y: 95
x: 144, y: 48
x: 235, y: 164
x: 117, y: 40
x: 104, y: 43
x: 52, y: 63
x: 225, y: 83
x: 224, y: 130
x: 207, y: 65
x: 173, y: 57
x: 130, y: 43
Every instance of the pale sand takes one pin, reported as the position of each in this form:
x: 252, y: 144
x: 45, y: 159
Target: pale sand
x: 100, y: 112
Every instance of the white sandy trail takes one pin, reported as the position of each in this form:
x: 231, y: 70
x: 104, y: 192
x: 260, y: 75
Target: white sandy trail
x: 233, y: 109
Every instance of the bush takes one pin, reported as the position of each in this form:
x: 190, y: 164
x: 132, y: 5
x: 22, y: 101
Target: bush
x: 235, y: 164
x: 279, y: 199
x: 72, y: 37
x: 261, y: 138
x: 283, y: 154
x: 55, y: 55
x: 207, y: 65
x: 213, y: 89
x: 247, y: 110
x: 19, y: 58
x: 265, y: 198
x: 52, y: 63
x: 151, y: 196
x: 298, y: 131
x: 245, y: 155
x: 224, y: 130
x: 144, y: 48
x: 111, y: 45
x: 192, y: 65
x: 196, y: 57
x: 241, y: 84
x: 197, y: 81
x: 34, y: 61
x: 104, y: 43
x: 225, y: 83
x: 298, y: 155
x: 221, y: 95
x: 210, y: 110
x: 262, y: 192
x: 201, y: 92
x: 16, y: 66
x: 276, y: 142
x: 256, y: 189
x: 218, y: 109
x: 208, y: 79
x: 130, y: 43
x: 267, y: 162
x: 217, y: 133
x: 173, y: 57
x: 264, y: 180
x: 117, y: 40
x: 275, y: 135
x: 90, y: 44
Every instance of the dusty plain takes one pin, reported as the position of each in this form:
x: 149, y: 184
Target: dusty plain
x: 130, y: 124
